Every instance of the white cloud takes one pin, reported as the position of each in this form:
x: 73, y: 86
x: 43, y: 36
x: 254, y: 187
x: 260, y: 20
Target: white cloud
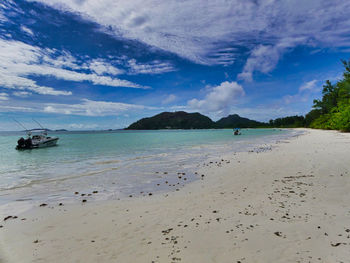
x: 3, y: 96
x: 27, y: 30
x: 20, y: 61
x: 100, y: 67
x: 305, y: 92
x: 169, y: 99
x: 22, y: 94
x: 155, y: 67
x: 81, y: 126
x: 220, y: 99
x: 264, y: 58
x: 214, y: 32
x: 93, y: 108
x: 310, y: 85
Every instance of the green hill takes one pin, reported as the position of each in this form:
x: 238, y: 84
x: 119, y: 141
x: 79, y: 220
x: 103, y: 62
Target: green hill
x: 235, y: 121
x: 184, y: 120
x: 173, y: 120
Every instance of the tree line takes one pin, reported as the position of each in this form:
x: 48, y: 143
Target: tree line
x: 332, y: 112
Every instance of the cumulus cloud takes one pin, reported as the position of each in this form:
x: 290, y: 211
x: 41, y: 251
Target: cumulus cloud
x: 264, y: 58
x: 220, y: 99
x: 169, y: 99
x: 217, y: 31
x: 93, y: 108
x: 20, y: 61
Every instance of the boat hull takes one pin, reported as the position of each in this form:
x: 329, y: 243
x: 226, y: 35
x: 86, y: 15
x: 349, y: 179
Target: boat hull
x: 48, y: 143
x: 39, y: 144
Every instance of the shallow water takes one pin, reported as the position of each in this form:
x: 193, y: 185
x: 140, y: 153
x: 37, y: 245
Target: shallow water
x: 115, y: 164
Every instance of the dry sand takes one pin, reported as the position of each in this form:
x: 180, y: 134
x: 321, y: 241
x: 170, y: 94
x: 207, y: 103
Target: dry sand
x: 288, y: 204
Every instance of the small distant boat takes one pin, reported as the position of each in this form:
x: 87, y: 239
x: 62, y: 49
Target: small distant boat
x: 236, y: 132
x: 36, y: 138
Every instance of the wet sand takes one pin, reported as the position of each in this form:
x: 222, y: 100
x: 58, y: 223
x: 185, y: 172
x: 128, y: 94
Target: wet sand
x: 288, y: 202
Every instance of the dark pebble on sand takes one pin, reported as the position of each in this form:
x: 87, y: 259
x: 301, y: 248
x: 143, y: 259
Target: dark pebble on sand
x: 36, y: 241
x: 60, y: 204
x: 335, y: 245
x: 150, y: 194
x: 42, y: 205
x: 278, y: 234
x: 84, y: 201
x: 8, y: 217
x: 95, y: 192
x: 76, y: 193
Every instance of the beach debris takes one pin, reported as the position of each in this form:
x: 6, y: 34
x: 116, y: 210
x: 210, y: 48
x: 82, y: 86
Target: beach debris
x: 277, y: 233
x: 10, y: 217
x: 84, y: 200
x: 336, y: 244
x: 60, y: 204
x: 1, y: 226
x: 43, y: 204
x: 94, y: 192
x: 167, y: 231
x: 36, y: 241
x: 76, y: 193
x: 150, y: 194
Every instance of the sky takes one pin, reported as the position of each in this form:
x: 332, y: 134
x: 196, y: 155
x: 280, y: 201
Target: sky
x: 88, y: 64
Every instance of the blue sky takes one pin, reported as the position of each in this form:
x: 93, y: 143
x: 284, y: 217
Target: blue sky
x: 86, y: 64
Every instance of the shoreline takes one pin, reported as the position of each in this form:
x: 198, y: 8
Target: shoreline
x: 149, y: 172
x: 284, y: 205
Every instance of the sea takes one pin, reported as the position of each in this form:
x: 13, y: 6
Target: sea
x: 104, y: 165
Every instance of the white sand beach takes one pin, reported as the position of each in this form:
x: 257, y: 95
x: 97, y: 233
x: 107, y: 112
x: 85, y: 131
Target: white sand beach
x: 288, y: 204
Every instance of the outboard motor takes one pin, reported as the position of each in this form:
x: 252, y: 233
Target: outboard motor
x: 21, y: 143
x: 28, y: 143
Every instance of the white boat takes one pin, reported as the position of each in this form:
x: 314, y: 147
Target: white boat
x: 36, y: 138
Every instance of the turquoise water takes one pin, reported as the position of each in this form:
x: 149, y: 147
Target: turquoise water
x: 116, y: 163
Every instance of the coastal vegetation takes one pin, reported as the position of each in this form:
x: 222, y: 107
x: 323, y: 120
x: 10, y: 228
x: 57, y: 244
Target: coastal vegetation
x: 331, y: 112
